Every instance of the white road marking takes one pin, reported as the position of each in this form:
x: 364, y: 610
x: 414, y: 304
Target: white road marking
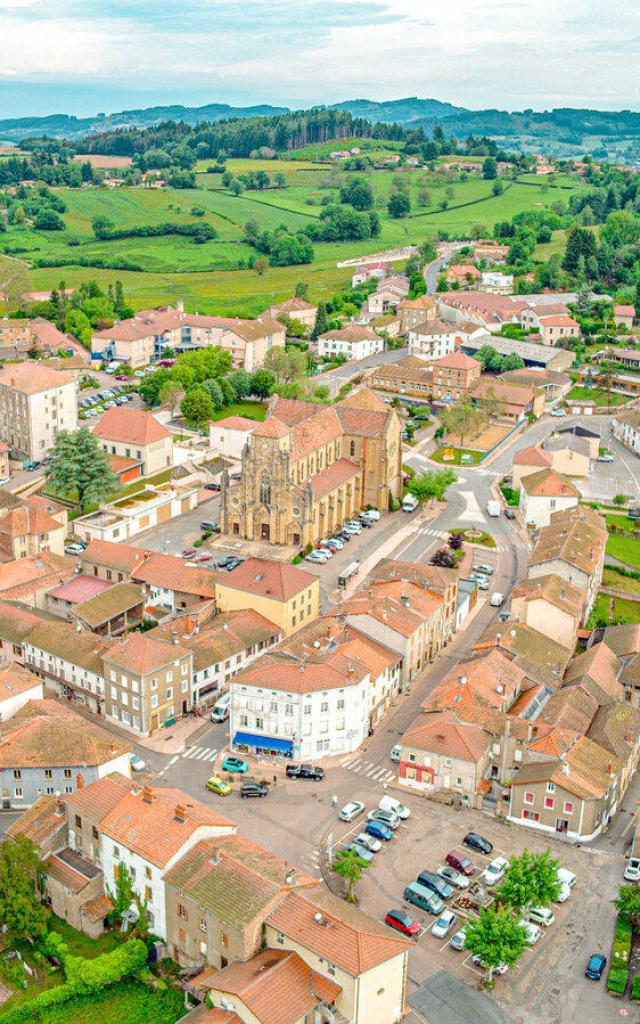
x: 173, y: 760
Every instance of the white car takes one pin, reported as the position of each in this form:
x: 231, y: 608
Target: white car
x: 558, y: 412
x: 632, y: 870
x: 73, y: 549
x: 351, y: 810
x: 563, y: 893
x: 394, y: 753
x: 457, y: 940
x: 137, y: 764
x: 317, y: 557
x: 369, y: 842
x: 324, y: 551
x: 566, y: 877
x: 453, y: 877
x: 372, y: 514
x: 494, y: 872
x: 337, y: 542
x: 444, y: 924
x: 389, y: 803
x: 533, y: 931
x: 542, y: 916
x: 500, y: 969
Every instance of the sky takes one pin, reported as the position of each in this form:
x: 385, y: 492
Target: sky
x: 88, y: 56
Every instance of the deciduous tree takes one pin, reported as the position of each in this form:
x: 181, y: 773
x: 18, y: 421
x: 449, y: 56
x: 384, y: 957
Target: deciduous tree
x: 21, y: 883
x: 197, y: 406
x: 496, y: 938
x: 349, y: 866
x: 530, y: 880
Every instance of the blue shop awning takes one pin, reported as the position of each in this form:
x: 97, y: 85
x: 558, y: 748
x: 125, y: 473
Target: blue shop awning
x: 248, y: 739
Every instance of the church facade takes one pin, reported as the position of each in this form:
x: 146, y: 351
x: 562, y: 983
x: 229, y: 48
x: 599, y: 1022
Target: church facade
x: 308, y: 468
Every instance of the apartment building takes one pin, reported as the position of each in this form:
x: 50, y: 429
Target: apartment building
x: 69, y: 662
x: 284, y: 594
x: 35, y: 404
x: 453, y: 376
x: 415, y: 311
x: 573, y: 547
x: 30, y: 526
x: 147, y: 682
x: 352, y: 342
x: 432, y: 339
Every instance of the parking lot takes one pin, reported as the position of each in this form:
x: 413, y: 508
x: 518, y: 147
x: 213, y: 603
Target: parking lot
x: 548, y: 982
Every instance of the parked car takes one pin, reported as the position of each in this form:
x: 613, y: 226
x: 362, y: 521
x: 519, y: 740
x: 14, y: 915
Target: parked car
x: 394, y: 753
x: 477, y: 842
x: 343, y: 535
x: 73, y: 549
x: 533, y: 931
x: 500, y: 969
x: 234, y: 764
x: 460, y: 862
x: 542, y: 916
x: 371, y: 513
x: 424, y: 898
x: 333, y: 543
x: 212, y: 487
x: 219, y: 786
x: 203, y: 556
x: 137, y: 764
x: 122, y: 376
x: 495, y: 871
x: 304, y: 771
x: 248, y: 789
x: 452, y: 876
x: 188, y: 552
x: 351, y: 810
x: 327, y: 552
x: 402, y: 922
x: 444, y: 924
x: 353, y: 527
x: 379, y: 831
x: 361, y: 851
x: 605, y: 458
x: 368, y: 842
x: 482, y: 584
x: 485, y: 570
x: 229, y: 562
x: 566, y: 877
x: 509, y: 513
x: 631, y: 869
x: 367, y: 523
x: 209, y: 524
x: 563, y: 893
x: 458, y: 939
x: 317, y: 556
x: 432, y: 881
x: 558, y: 412
x: 389, y: 803
x: 595, y: 967
x: 389, y: 818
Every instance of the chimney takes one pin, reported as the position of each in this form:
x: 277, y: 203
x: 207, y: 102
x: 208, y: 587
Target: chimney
x: 79, y: 781
x: 404, y: 600
x: 462, y: 680
x: 290, y: 875
x: 60, y: 808
x: 112, y: 747
x: 215, y: 856
x: 609, y: 767
x: 147, y: 794
x: 565, y: 768
x: 180, y: 813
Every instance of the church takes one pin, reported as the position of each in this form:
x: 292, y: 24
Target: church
x: 308, y: 468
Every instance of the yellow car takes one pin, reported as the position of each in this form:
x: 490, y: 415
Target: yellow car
x: 219, y: 786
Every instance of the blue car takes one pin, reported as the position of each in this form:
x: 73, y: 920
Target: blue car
x: 379, y: 831
x: 234, y: 764
x: 595, y: 967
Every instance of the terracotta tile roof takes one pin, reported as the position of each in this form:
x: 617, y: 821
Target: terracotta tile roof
x: 98, y: 799
x: 553, y: 743
x: 276, y: 671
x: 41, y: 823
x: 62, y: 640
x: 444, y: 734
x: 408, y: 596
x: 570, y: 708
x: 432, y: 328
x: 130, y: 426
x: 31, y: 377
x: 491, y: 720
x: 272, y: 427
x: 350, y: 334
x: 44, y: 733
x: 422, y: 302
x: 266, y: 578
x: 123, y: 557
x: 27, y: 521
x: 490, y: 680
x: 295, y: 304
x: 315, y: 431
x: 589, y: 770
x: 119, y: 598
x: 234, y: 878
x: 79, y: 588
x: 491, y: 388
x: 560, y: 320
x: 600, y: 666
x: 431, y: 577
x: 276, y: 986
x: 576, y: 536
x: 622, y: 310
x: 547, y: 484
x: 142, y: 654
x: 34, y: 572
x: 149, y: 826
x: 227, y: 634
x: 326, y: 640
x: 532, y: 456
x: 623, y: 640
x: 120, y: 464
x: 462, y: 271
x: 617, y: 729
x: 236, y: 423
x: 456, y: 361
x: 14, y: 679
x: 363, y: 399
x: 64, y: 873
x: 385, y: 610
x: 331, y: 477
x: 363, y: 422
x: 541, y: 658
x: 98, y: 908
x: 553, y: 589
x: 291, y: 411
x: 345, y: 937
x: 170, y: 573
x: 201, y: 1014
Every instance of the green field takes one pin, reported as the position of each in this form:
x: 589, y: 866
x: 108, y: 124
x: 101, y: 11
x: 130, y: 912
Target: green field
x: 603, y: 399
x: 625, y: 549
x: 250, y: 410
x: 616, y: 581
x: 214, y: 277
x: 125, y: 1003
x: 623, y: 611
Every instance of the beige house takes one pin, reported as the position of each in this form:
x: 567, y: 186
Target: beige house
x: 282, y: 593
x: 30, y: 526
x: 147, y: 682
x: 228, y: 437
x: 442, y: 582
x: 35, y: 403
x: 557, y: 327
x: 441, y: 752
x: 527, y: 461
x: 295, y: 309
x: 569, y: 462
x: 135, y: 434
x: 544, y: 493
x: 550, y: 605
x: 572, y: 546
x: 624, y: 315
x: 416, y: 311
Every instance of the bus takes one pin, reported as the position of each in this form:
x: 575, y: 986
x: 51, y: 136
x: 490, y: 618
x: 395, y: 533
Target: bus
x: 352, y: 569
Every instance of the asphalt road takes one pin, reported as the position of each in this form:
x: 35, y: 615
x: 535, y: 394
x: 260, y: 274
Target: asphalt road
x: 334, y: 379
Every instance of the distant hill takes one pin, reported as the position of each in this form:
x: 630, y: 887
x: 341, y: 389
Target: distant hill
x: 69, y: 127
x: 399, y: 111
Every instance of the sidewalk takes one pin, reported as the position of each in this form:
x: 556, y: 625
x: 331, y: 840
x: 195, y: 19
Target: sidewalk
x: 174, y: 739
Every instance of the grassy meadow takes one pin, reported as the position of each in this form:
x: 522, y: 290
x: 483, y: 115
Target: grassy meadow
x: 215, y: 276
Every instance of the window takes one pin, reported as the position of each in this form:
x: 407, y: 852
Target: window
x: 154, y: 700
x: 48, y: 774
x: 154, y: 684
x: 307, y: 709
x: 183, y: 912
x: 116, y: 853
x: 549, y: 803
x: 281, y: 938
x: 94, y: 832
x: 243, y: 720
x: 531, y: 815
x: 324, y: 707
x: 17, y: 774
x: 184, y: 686
x: 169, y: 677
x: 331, y: 968
x: 78, y: 821
x: 203, y: 924
x: 448, y: 762
x: 169, y: 692
x: 568, y: 807
x: 265, y: 489
x: 224, y: 938
x: 259, y: 723
x: 148, y: 893
x: 528, y: 798
x: 288, y: 709
x: 273, y: 706
x: 551, y: 787
x: 18, y: 793
x: 67, y: 773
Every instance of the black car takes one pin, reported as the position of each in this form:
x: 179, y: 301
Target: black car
x: 229, y: 562
x: 212, y: 487
x: 365, y: 522
x: 342, y: 535
x: 253, y: 789
x: 305, y: 771
x: 509, y: 513
x: 476, y: 842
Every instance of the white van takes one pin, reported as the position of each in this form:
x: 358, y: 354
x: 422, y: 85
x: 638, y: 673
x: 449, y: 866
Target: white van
x: 409, y: 503
x: 566, y: 877
x: 542, y: 916
x: 496, y: 599
x: 220, y: 711
x: 388, y: 803
x: 493, y: 508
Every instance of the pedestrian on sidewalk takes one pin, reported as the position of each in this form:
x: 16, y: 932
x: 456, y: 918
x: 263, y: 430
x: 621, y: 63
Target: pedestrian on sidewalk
x: 334, y: 800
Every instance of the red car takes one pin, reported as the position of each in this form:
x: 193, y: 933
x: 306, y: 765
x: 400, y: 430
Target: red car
x: 460, y: 862
x: 402, y: 922
x: 121, y: 376
x: 188, y: 553
x: 203, y: 556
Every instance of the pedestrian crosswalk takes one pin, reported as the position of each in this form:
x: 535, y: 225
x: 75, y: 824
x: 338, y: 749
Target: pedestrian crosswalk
x: 201, y: 753
x: 370, y: 770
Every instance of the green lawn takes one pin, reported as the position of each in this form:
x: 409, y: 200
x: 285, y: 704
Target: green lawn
x: 623, y: 611
x: 625, y: 549
x: 622, y: 522
x: 473, y: 458
x: 603, y: 399
x: 125, y: 1003
x: 615, y: 580
x: 485, y: 539
x: 214, y: 277
x: 252, y: 411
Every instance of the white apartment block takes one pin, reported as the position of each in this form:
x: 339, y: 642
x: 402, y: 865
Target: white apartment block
x: 351, y: 342
x: 35, y: 404
x: 432, y: 339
